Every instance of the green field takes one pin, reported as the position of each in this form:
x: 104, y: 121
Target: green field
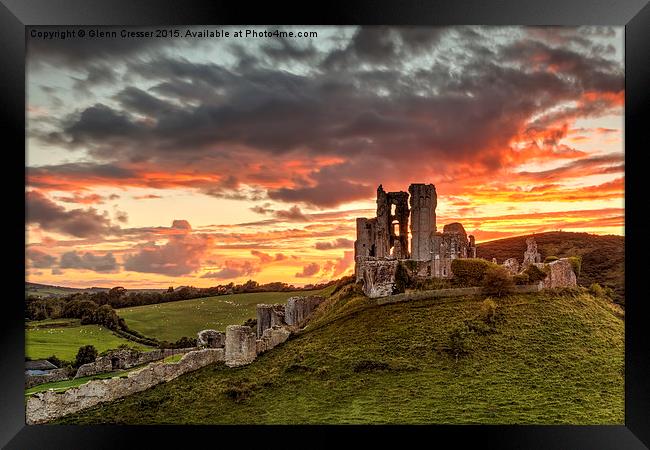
x: 173, y: 320
x: 551, y: 358
x: 63, y: 337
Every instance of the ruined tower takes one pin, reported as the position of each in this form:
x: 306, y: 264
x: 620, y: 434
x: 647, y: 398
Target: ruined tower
x: 423, y: 219
x: 391, y: 229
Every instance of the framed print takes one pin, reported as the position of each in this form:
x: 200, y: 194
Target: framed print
x: 379, y: 218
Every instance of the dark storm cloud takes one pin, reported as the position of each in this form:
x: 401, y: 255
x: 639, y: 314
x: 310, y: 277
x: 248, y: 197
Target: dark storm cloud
x: 283, y: 49
x: 79, y: 53
x: 83, y: 223
x: 360, y: 105
x: 383, y: 46
x: 590, y: 72
x: 139, y: 101
x: 89, y: 261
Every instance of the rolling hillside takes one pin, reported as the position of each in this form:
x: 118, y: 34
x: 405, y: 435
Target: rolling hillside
x: 549, y: 358
x: 603, y: 257
x: 46, y: 290
x: 173, y: 320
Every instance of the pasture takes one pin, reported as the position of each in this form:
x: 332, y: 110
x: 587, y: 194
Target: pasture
x: 63, y: 337
x: 173, y: 320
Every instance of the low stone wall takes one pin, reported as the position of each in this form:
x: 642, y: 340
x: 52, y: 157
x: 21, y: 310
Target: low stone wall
x: 298, y: 309
x: 270, y: 338
x: 46, y: 406
x: 269, y: 316
x: 52, y: 376
x: 452, y: 292
x: 125, y: 359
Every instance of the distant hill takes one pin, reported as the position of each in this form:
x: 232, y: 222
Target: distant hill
x: 46, y: 290
x: 603, y: 257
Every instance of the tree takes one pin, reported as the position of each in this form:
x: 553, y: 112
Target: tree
x: 105, y: 315
x: 85, y: 355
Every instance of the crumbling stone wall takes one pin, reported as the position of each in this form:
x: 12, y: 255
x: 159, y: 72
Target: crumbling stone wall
x: 269, y: 316
x: 365, y: 245
x: 531, y: 255
x: 101, y: 365
x: 125, y: 359
x: 559, y: 274
x: 388, y: 230
x: 211, y: 339
x: 241, y: 347
x: 418, y: 270
x: 49, y: 405
x: 50, y: 377
x: 511, y: 265
x: 378, y: 276
x: 271, y: 337
x: 386, y: 234
x: 298, y: 308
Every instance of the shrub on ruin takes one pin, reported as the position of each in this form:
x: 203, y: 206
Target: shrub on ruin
x: 431, y: 284
x: 497, y: 281
x: 251, y: 323
x: 520, y: 279
x: 549, y: 259
x: 576, y: 264
x: 489, y: 311
x: 470, y: 271
x: 535, y: 274
x: 85, y: 355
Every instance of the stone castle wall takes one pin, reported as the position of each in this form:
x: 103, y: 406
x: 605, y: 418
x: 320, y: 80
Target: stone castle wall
x: 49, y: 405
x: 125, y: 359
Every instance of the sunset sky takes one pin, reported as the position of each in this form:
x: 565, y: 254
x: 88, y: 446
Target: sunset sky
x: 201, y: 161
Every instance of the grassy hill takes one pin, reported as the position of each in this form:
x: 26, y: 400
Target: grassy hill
x: 173, y: 320
x: 549, y: 358
x: 603, y: 257
x: 63, y: 337
x: 46, y: 290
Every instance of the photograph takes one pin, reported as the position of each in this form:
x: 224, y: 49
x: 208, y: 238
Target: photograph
x: 325, y: 225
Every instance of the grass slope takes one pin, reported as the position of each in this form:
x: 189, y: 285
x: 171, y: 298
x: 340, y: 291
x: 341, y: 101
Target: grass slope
x: 63, y: 337
x: 173, y: 320
x: 603, y: 257
x: 553, y: 358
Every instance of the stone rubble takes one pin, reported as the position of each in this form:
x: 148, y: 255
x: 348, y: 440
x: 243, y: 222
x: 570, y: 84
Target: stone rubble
x: 211, y: 339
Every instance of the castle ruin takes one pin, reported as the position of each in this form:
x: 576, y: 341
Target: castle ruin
x: 385, y: 238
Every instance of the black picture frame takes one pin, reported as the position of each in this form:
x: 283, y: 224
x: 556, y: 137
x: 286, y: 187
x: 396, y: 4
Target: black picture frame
x: 15, y: 15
